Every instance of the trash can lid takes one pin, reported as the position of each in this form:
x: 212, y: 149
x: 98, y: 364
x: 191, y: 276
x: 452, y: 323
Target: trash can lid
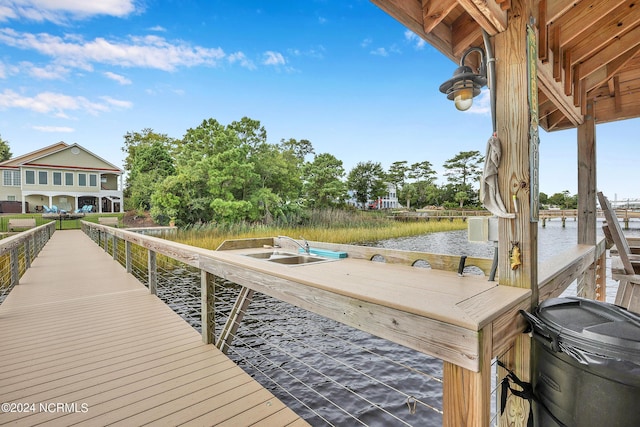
x: 593, y: 326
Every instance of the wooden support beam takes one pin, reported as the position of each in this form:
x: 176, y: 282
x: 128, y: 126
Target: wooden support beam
x: 557, y: 54
x: 235, y: 318
x: 128, y: 257
x: 543, y: 31
x: 153, y: 272
x: 434, y: 11
x: 517, y: 175
x: 14, y: 263
x: 115, y: 248
x: 554, y: 92
x: 466, y: 395
x: 27, y: 253
x: 207, y: 307
x: 465, y: 33
x: 617, y: 96
x: 488, y: 14
x: 587, y: 196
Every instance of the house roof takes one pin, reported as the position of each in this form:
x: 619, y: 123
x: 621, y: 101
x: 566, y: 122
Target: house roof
x: 46, y: 157
x: 587, y: 50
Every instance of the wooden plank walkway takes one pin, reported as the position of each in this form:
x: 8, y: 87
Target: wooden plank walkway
x: 83, y: 342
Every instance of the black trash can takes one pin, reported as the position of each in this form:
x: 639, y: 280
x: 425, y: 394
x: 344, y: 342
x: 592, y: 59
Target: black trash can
x: 585, y: 364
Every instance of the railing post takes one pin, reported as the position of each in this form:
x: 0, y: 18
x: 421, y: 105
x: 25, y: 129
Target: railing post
x: 15, y: 266
x: 128, y: 260
x: 27, y: 253
x: 106, y: 241
x: 153, y: 272
x: 207, y: 308
x: 115, y: 248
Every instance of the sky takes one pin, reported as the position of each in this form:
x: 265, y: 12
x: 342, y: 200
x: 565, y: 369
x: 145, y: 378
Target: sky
x: 340, y: 73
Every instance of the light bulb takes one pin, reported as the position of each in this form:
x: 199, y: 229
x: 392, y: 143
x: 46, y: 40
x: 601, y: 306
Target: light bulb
x: 463, y: 98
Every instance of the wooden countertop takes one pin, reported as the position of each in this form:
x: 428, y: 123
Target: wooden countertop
x: 469, y: 301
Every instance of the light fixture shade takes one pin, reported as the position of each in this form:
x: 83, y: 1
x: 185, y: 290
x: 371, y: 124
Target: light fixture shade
x: 463, y: 87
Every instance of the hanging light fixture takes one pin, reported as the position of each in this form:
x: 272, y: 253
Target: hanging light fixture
x: 465, y: 84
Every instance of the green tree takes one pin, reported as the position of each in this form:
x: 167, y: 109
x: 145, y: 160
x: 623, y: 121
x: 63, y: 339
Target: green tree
x: 463, y: 170
x: 323, y: 185
x: 299, y: 149
x: 147, y: 163
x: 366, y: 180
x: 397, y: 173
x: 564, y: 200
x: 5, y: 151
x: 233, y: 174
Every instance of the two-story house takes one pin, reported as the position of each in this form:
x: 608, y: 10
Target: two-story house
x: 62, y: 175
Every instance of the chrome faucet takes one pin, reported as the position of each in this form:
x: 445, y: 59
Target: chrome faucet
x: 304, y: 247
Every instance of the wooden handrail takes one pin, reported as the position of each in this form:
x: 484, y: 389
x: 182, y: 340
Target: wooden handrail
x: 554, y: 275
x: 33, y: 239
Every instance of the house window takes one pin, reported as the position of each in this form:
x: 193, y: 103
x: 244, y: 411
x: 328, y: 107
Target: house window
x: 11, y: 198
x: 68, y: 178
x: 30, y: 177
x: 82, y: 179
x: 57, y: 178
x: 11, y: 178
x: 43, y: 178
x: 93, y: 180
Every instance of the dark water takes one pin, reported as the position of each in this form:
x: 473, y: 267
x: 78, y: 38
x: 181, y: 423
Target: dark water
x: 331, y: 374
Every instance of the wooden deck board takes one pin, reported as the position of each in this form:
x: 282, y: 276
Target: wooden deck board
x: 79, y: 330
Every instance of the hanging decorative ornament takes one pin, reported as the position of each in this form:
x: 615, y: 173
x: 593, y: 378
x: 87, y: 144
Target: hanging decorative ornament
x: 514, y: 254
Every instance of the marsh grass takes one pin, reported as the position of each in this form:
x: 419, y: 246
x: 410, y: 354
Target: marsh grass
x: 332, y: 226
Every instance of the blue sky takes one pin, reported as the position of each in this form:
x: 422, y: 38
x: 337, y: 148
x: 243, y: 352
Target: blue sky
x: 340, y: 73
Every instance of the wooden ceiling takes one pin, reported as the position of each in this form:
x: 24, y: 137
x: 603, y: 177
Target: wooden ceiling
x: 587, y: 49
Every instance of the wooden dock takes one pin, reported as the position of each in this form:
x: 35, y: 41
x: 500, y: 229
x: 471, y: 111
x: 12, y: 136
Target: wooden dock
x: 83, y: 342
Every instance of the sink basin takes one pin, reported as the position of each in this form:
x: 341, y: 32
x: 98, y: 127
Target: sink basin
x: 263, y: 255
x: 297, y: 259
x: 287, y: 258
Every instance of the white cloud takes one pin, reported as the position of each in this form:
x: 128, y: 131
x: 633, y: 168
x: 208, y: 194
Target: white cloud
x: 56, y: 104
x: 414, y: 39
x: 273, y: 58
x: 481, y: 103
x: 158, y: 28
x: 117, y: 77
x: 49, y: 72
x: 241, y: 58
x: 380, y: 52
x: 54, y: 129
x: 146, y: 51
x: 60, y: 11
x: 366, y: 42
x: 117, y: 102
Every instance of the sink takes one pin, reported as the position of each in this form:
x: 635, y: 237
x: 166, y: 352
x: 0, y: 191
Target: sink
x: 287, y: 258
x: 269, y: 254
x: 297, y: 259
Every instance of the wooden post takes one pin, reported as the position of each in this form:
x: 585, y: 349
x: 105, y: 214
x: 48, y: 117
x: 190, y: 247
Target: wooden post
x: 27, y: 252
x: 115, y: 247
x: 517, y: 129
x: 153, y: 272
x: 14, y: 262
x: 207, y: 308
x: 128, y: 260
x: 466, y: 395
x: 235, y: 317
x: 587, y: 197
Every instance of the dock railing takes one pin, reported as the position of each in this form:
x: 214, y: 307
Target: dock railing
x: 18, y: 251
x: 555, y: 276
